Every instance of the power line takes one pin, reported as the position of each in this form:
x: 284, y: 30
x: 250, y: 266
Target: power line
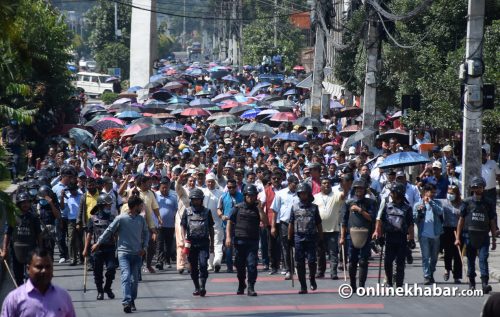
x: 396, y: 42
x: 396, y: 17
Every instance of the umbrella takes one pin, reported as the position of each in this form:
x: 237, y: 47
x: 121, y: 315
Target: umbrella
x: 158, y: 77
x: 127, y: 95
x: 96, y: 119
x: 162, y: 94
x: 308, y: 121
x: 92, y: 108
x: 104, y: 125
x: 176, y: 112
x: 290, y: 92
x: 112, y: 119
x: 154, y: 84
x: 219, y: 115
x: 267, y: 112
x: 219, y: 73
x: 240, y: 109
x: 221, y: 97
x: 134, y: 89
x: 228, y: 104
x: 177, y: 99
x: 189, y: 129
x: 402, y: 136
x: 359, y: 136
x: 163, y: 116
x: 291, y: 80
x: 200, y: 102
x: 283, y: 104
x: 260, y: 129
x: 250, y: 114
x: 155, y: 106
x: 121, y: 101
x: 349, y: 130
x: 397, y: 115
x: 129, y: 115
x: 173, y: 85
x: 203, y: 93
x: 81, y: 136
x: 258, y: 87
x: 402, y: 159
x: 110, y: 79
x: 133, y: 129
x: 147, y: 120
x: 230, y: 78
x: 226, y: 121
x: 195, y: 112
x: 174, y: 126
x: 335, y: 104
x: 349, y: 112
x: 153, y: 134
x: 113, y: 133
x: 213, y: 108
x: 284, y: 117
x: 298, y: 67
x: 290, y: 136
x: 177, y: 106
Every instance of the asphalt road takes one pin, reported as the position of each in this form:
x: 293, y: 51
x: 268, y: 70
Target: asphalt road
x: 167, y: 293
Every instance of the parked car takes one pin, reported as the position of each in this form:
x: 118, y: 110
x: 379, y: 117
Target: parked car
x: 93, y: 84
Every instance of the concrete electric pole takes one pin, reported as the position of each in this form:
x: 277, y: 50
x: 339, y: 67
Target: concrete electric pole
x: 314, y: 110
x: 473, y: 99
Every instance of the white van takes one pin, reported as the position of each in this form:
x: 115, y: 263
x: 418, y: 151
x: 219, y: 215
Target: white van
x: 93, y: 84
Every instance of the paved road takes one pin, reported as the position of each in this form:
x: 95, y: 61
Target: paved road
x: 169, y: 294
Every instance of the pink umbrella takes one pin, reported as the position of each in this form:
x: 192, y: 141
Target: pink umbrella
x: 134, y: 129
x: 195, y: 112
x: 298, y: 67
x: 228, y: 104
x: 284, y: 117
x: 188, y: 129
x: 112, y: 119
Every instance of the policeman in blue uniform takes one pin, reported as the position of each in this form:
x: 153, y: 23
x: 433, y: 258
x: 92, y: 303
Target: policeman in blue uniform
x: 305, y: 230
x: 101, y: 217
x: 398, y: 232
x: 359, y: 214
x: 198, y: 229
x: 477, y: 218
x: 49, y: 212
x: 246, y: 218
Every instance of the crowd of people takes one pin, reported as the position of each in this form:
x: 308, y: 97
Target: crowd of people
x: 212, y: 199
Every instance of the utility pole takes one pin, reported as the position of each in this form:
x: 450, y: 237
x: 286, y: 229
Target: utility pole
x: 314, y: 110
x: 233, y: 24
x: 370, y: 92
x: 275, y: 24
x: 240, y: 34
x: 473, y: 99
x: 116, y: 21
x: 184, y: 27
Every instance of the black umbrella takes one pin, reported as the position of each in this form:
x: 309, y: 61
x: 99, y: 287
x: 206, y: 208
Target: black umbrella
x: 92, y: 108
x: 359, y: 136
x: 147, y: 120
x: 260, y: 129
x: 349, y: 112
x: 153, y: 134
x: 240, y: 109
x: 162, y: 94
x: 155, y: 106
x: 153, y: 84
x: 106, y: 124
x: 308, y: 121
x: 402, y: 136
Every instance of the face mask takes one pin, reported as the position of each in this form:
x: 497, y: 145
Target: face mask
x: 106, y: 210
x: 451, y: 197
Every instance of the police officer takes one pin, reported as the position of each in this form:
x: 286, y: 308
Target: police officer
x: 198, y: 232
x: 358, y: 217
x: 48, y: 209
x: 101, y: 217
x: 397, y: 224
x: 477, y: 217
x: 246, y: 218
x: 22, y: 237
x: 305, y: 228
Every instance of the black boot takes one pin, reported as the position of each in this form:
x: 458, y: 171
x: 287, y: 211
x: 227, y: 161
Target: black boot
x: 363, y: 273
x: 196, y: 287
x: 312, y: 274
x: 352, y: 276
x: 472, y: 283
x: 486, y: 287
x: 100, y: 292
x: 333, y: 273
x: 241, y: 288
x: 203, y: 291
x: 301, y: 274
x: 251, y: 290
x: 107, y: 289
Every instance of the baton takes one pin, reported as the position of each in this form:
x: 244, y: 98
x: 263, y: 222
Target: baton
x: 344, y: 263
x: 85, y: 275
x: 461, y: 253
x: 292, y: 267
x: 10, y: 273
x: 380, y: 262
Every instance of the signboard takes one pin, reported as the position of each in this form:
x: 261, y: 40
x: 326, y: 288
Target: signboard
x: 117, y: 72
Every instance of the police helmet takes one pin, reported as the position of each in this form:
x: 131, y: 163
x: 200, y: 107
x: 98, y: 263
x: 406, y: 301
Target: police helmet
x: 398, y: 188
x: 359, y: 184
x: 196, y: 194
x: 40, y: 173
x: 43, y: 180
x: 30, y: 172
x: 22, y: 197
x: 68, y: 170
x: 251, y: 190
x: 104, y: 199
x: 304, y: 188
x: 478, y: 181
x: 43, y: 191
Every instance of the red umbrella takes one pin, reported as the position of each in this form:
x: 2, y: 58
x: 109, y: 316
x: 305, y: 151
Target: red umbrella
x: 228, y: 104
x: 195, y: 112
x: 298, y: 67
x: 134, y: 129
x: 113, y: 133
x: 284, y: 117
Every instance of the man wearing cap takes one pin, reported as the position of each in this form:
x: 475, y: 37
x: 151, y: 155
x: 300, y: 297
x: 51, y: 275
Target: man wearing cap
x: 477, y: 218
x: 212, y: 194
x: 441, y: 183
x: 447, y: 157
x: 167, y: 203
x: 113, y: 194
x: 281, y: 208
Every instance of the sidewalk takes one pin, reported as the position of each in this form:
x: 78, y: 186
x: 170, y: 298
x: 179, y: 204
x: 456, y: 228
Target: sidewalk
x: 494, y: 259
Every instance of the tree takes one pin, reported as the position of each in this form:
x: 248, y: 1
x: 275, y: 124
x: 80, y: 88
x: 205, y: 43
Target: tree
x: 258, y: 41
x: 114, y: 55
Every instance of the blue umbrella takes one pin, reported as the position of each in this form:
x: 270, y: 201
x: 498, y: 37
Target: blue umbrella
x: 258, y: 87
x: 402, y: 159
x: 250, y: 114
x: 290, y: 136
x: 201, y: 102
x: 81, y: 136
x: 129, y: 115
x: 156, y: 78
x: 290, y: 92
x: 177, y: 99
x: 230, y: 78
x: 134, y: 88
x: 174, y: 126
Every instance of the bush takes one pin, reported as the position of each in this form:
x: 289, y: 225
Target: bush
x: 109, y: 97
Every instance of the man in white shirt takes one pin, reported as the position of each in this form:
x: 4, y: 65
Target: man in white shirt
x: 491, y: 174
x: 212, y: 194
x: 117, y: 199
x: 329, y: 204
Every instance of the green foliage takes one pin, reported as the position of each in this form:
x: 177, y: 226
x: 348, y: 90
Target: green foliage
x: 258, y: 40
x: 167, y: 44
x: 109, y: 97
x: 114, y: 55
